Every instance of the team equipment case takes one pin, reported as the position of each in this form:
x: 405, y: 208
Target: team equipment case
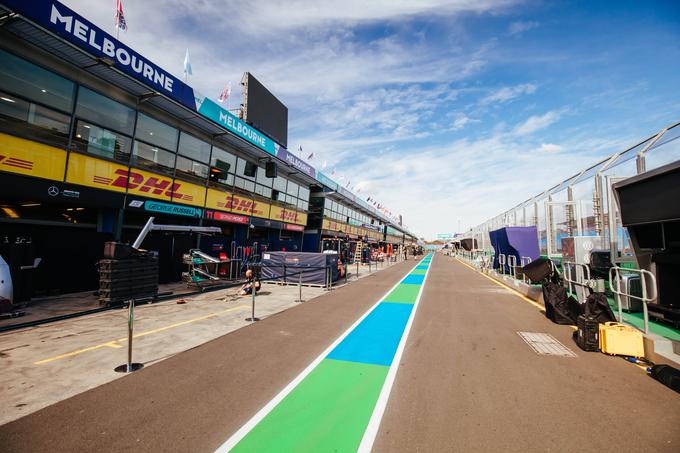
x: 619, y: 339
x: 587, y: 335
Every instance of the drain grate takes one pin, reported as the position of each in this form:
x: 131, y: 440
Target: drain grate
x: 546, y: 344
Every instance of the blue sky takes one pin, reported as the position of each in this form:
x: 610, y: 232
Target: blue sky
x: 444, y: 111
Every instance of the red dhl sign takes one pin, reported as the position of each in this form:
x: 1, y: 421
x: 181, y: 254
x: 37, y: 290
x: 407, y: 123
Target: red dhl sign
x: 7, y: 161
x: 236, y: 203
x: 286, y: 216
x: 30, y: 158
x: 151, y: 185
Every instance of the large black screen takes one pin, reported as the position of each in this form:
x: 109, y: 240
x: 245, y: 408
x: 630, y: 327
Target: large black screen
x: 265, y: 112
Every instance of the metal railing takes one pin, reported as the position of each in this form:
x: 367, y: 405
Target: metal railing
x: 502, y: 261
x: 615, y: 279
x: 512, y: 264
x: 578, y: 282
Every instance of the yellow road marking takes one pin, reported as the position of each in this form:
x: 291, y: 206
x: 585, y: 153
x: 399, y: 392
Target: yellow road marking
x: 515, y: 292
x: 114, y: 343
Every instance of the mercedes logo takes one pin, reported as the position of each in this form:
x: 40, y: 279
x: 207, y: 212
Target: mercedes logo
x: 53, y: 191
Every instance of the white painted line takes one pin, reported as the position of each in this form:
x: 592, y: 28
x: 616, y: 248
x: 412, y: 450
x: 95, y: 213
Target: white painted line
x: 267, y: 408
x: 380, y: 406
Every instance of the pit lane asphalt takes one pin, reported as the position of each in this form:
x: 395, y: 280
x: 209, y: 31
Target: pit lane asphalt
x: 466, y: 382
x: 196, y: 399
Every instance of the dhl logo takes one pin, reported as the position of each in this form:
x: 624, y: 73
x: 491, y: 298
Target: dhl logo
x: 14, y: 162
x: 242, y: 205
x: 288, y: 216
x: 140, y: 183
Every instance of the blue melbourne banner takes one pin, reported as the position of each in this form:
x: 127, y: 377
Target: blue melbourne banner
x: 212, y: 111
x: 84, y: 34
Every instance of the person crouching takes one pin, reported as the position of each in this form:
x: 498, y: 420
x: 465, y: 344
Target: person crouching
x: 251, y: 282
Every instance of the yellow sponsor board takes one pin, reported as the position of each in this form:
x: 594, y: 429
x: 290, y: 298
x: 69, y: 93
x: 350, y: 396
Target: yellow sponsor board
x: 248, y: 206
x: 91, y: 172
x: 188, y: 193
x: 161, y: 187
x: 300, y: 218
x: 277, y: 213
x: 29, y: 158
x: 218, y: 199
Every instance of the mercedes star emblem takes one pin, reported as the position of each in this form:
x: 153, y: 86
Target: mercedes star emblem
x: 53, y: 191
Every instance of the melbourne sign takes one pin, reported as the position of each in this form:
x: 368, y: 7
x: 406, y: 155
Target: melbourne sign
x: 295, y: 162
x: 84, y: 34
x: 212, y: 111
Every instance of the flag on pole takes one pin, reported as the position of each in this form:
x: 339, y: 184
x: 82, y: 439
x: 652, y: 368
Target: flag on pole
x: 120, y: 18
x: 187, y: 65
x: 225, y: 93
x: 311, y: 156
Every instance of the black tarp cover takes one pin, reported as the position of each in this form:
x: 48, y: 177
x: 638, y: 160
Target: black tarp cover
x: 280, y: 266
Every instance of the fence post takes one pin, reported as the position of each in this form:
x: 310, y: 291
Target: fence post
x: 129, y: 366
x: 300, y: 287
x: 252, y: 312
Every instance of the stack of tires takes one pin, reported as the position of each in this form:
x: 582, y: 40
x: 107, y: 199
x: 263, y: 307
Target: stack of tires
x: 126, y: 273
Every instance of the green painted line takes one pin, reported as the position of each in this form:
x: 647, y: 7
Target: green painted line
x: 403, y: 294
x: 327, y: 411
x: 418, y: 272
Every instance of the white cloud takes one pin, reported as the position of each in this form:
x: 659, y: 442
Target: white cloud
x: 537, y: 122
x: 519, y: 27
x: 506, y: 94
x: 549, y: 148
x: 461, y: 121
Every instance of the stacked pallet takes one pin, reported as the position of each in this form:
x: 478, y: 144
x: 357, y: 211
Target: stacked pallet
x: 133, y: 277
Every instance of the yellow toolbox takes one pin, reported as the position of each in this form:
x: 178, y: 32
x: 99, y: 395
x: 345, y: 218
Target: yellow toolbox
x: 620, y: 339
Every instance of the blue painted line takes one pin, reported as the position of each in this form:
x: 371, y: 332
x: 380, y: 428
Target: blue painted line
x: 413, y: 279
x: 421, y: 267
x: 376, y: 338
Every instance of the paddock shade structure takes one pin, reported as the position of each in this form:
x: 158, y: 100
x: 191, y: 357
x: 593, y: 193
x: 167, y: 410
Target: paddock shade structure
x: 520, y: 242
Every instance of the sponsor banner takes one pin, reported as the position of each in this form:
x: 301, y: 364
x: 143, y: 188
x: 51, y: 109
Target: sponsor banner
x: 85, y: 35
x: 249, y: 206
x: 226, y: 201
x: 323, y: 179
x: 276, y: 212
x: 30, y: 158
x: 444, y: 235
x: 158, y: 207
x: 301, y: 218
x: 295, y: 162
x: 224, y: 217
x: 188, y: 193
x: 288, y: 215
x: 151, y: 185
x: 19, y: 188
x: 347, y: 193
x: 372, y: 227
x: 88, y: 171
x: 290, y: 227
x: 214, y: 112
x: 91, y: 172
x: 217, y: 199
